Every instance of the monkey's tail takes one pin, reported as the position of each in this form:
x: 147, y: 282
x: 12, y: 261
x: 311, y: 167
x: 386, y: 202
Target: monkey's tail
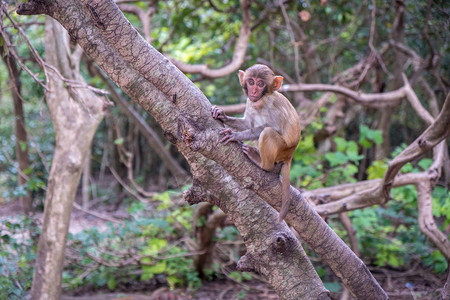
x: 285, y: 186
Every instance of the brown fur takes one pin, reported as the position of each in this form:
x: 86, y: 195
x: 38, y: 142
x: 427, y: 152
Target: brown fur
x: 273, y: 121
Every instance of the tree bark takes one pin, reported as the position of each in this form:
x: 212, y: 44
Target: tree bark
x: 19, y: 131
x: 85, y: 196
x: 75, y: 122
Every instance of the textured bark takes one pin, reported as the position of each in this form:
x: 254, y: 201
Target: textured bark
x: 272, y: 250
x: 426, y: 220
x: 445, y: 293
x: 85, y: 196
x: 75, y: 122
x: 220, y: 170
x: 19, y: 131
x: 205, y: 233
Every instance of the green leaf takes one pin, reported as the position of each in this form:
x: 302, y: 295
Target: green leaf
x: 155, y: 245
x: 28, y: 170
x: 118, y: 141
x: 425, y: 163
x: 351, y: 169
x: 158, y: 268
x: 111, y: 283
x: 23, y: 146
x: 407, y: 168
x: 336, y: 158
x: 376, y: 170
x: 242, y: 294
x: 174, y: 280
x: 340, y: 143
x: 333, y: 287
x: 377, y: 137
x: 236, y: 276
x: 247, y: 276
x: 147, y: 274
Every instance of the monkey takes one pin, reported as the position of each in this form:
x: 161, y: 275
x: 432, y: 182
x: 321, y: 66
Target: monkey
x: 270, y: 119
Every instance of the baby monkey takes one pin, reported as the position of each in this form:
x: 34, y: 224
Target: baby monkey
x: 269, y: 118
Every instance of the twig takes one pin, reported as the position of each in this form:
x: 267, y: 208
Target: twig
x: 292, y: 38
x: 125, y: 186
x: 240, y: 49
x: 30, y: 46
x: 95, y: 214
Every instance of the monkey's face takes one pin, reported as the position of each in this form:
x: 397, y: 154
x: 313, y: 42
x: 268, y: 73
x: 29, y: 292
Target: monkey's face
x: 255, y: 88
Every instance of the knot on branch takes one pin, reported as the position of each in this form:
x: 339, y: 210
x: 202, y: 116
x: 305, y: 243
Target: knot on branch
x: 170, y: 137
x: 187, y: 131
x: 95, y: 16
x: 423, y: 143
x: 193, y: 195
x: 433, y: 175
x: 246, y: 263
x: 282, y: 242
x: 33, y: 7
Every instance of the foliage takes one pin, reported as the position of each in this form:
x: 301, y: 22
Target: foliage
x: 144, y: 249
x: 332, y: 168
x: 39, y: 129
x: 17, y: 255
x: 390, y: 232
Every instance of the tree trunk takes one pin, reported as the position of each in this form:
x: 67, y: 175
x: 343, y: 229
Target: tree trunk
x: 75, y: 122
x: 85, y: 181
x: 383, y: 150
x: 19, y: 131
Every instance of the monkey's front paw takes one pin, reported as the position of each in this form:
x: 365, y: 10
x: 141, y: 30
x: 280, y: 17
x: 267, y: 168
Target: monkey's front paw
x: 230, y: 136
x: 217, y: 113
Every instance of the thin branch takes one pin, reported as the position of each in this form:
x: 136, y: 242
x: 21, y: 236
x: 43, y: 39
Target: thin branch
x: 378, y: 192
x: 95, y: 214
x: 238, y: 56
x: 372, y: 100
x: 294, y: 43
x: 125, y: 186
x: 27, y: 41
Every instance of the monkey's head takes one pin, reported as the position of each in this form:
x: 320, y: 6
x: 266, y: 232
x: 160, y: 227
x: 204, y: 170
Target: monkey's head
x: 258, y: 81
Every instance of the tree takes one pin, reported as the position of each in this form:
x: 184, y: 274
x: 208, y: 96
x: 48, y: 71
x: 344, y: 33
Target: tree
x: 76, y: 112
x: 20, y: 131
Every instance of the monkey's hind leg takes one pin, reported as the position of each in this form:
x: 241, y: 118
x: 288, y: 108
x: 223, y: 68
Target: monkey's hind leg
x: 252, y: 153
x: 270, y: 143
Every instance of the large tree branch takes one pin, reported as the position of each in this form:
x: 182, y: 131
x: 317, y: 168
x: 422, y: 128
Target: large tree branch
x: 246, y: 210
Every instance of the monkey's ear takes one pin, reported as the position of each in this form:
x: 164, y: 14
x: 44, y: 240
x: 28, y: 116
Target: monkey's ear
x: 241, y: 77
x: 277, y: 81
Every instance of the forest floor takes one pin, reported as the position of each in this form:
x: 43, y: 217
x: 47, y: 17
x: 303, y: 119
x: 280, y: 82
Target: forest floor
x: 413, y: 283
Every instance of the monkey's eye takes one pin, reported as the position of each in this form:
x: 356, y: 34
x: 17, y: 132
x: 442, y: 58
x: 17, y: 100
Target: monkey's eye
x: 251, y: 82
x: 261, y: 84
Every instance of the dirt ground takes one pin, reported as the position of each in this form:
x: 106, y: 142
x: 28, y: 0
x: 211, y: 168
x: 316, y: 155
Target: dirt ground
x: 396, y: 285
x: 414, y: 283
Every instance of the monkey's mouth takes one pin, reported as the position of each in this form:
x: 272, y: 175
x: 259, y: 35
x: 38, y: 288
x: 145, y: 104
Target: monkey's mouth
x: 254, y: 98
